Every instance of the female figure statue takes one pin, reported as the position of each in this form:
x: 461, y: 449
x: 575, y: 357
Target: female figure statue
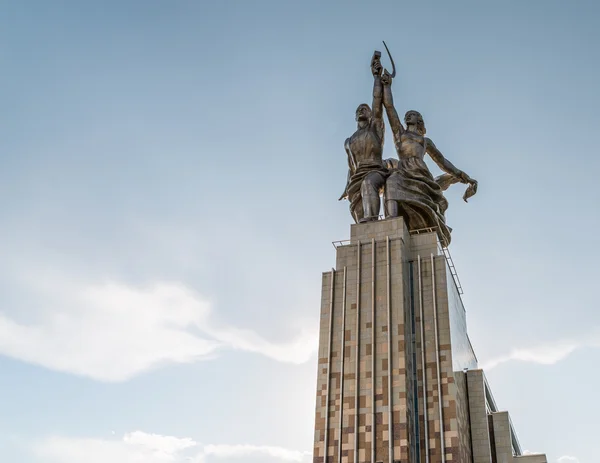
x: 410, y: 190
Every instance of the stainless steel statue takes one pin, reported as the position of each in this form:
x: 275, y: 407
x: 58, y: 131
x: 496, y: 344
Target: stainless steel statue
x: 366, y: 170
x: 408, y: 188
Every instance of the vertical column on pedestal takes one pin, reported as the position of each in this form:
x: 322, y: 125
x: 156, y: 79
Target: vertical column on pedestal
x: 365, y: 354
x: 412, y: 402
x: 335, y: 373
x: 388, y: 367
x: 349, y: 429
x: 433, y: 400
x: 440, y: 396
x: 358, y: 433
x: 440, y: 403
x: 422, y: 369
x: 397, y: 363
x: 321, y: 446
x: 343, y: 443
x: 429, y: 419
x: 366, y: 379
x: 375, y: 431
x: 382, y: 358
x: 346, y: 363
x: 329, y: 417
x: 329, y: 372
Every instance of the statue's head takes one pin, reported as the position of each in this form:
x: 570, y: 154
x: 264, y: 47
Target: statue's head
x: 363, y: 112
x: 414, y: 118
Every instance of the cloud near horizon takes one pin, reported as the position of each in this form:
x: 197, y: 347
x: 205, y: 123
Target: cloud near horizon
x: 567, y: 459
x: 112, y: 332
x: 141, y: 447
x: 545, y: 354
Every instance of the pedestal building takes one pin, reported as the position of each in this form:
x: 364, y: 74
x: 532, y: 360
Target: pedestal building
x: 398, y: 379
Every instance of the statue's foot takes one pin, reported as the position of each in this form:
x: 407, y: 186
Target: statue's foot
x: 368, y: 219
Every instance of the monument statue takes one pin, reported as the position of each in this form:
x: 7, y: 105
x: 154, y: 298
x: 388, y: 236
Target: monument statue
x: 398, y: 380
x: 409, y: 189
x: 366, y: 170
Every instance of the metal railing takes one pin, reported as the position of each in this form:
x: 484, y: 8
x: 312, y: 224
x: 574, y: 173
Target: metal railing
x: 443, y: 248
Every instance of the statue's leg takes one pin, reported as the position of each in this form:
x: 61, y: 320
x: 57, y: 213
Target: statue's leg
x: 370, y: 195
x: 391, y: 208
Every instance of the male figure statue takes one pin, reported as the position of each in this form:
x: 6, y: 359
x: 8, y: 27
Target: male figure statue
x: 366, y: 171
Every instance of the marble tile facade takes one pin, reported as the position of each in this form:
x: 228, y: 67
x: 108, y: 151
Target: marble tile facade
x: 382, y: 388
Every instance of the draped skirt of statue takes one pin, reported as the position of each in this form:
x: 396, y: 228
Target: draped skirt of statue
x: 418, y: 196
x: 373, y: 173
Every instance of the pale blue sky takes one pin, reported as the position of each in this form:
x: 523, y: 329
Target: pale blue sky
x: 169, y: 175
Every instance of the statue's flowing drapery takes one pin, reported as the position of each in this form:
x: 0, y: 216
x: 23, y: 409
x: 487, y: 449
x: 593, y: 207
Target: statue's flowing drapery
x: 355, y: 183
x: 419, y: 196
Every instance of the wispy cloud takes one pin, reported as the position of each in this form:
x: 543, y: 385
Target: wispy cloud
x: 567, y: 459
x: 76, y: 450
x: 165, y: 445
x: 141, y: 447
x: 112, y: 332
x: 545, y: 354
x: 280, y: 453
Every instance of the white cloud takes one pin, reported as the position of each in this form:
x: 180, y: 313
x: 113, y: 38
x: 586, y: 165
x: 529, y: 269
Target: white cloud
x: 224, y: 451
x: 166, y: 445
x: 112, y: 332
x: 141, y: 447
x: 567, y: 459
x: 545, y: 354
x: 137, y: 447
x: 296, y: 351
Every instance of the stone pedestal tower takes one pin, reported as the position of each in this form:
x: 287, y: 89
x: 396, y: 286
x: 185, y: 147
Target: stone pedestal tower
x: 397, y: 376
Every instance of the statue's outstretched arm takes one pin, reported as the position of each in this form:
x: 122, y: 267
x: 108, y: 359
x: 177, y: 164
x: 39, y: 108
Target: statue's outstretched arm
x: 376, y: 69
x: 388, y: 102
x: 451, y: 171
x: 444, y: 164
